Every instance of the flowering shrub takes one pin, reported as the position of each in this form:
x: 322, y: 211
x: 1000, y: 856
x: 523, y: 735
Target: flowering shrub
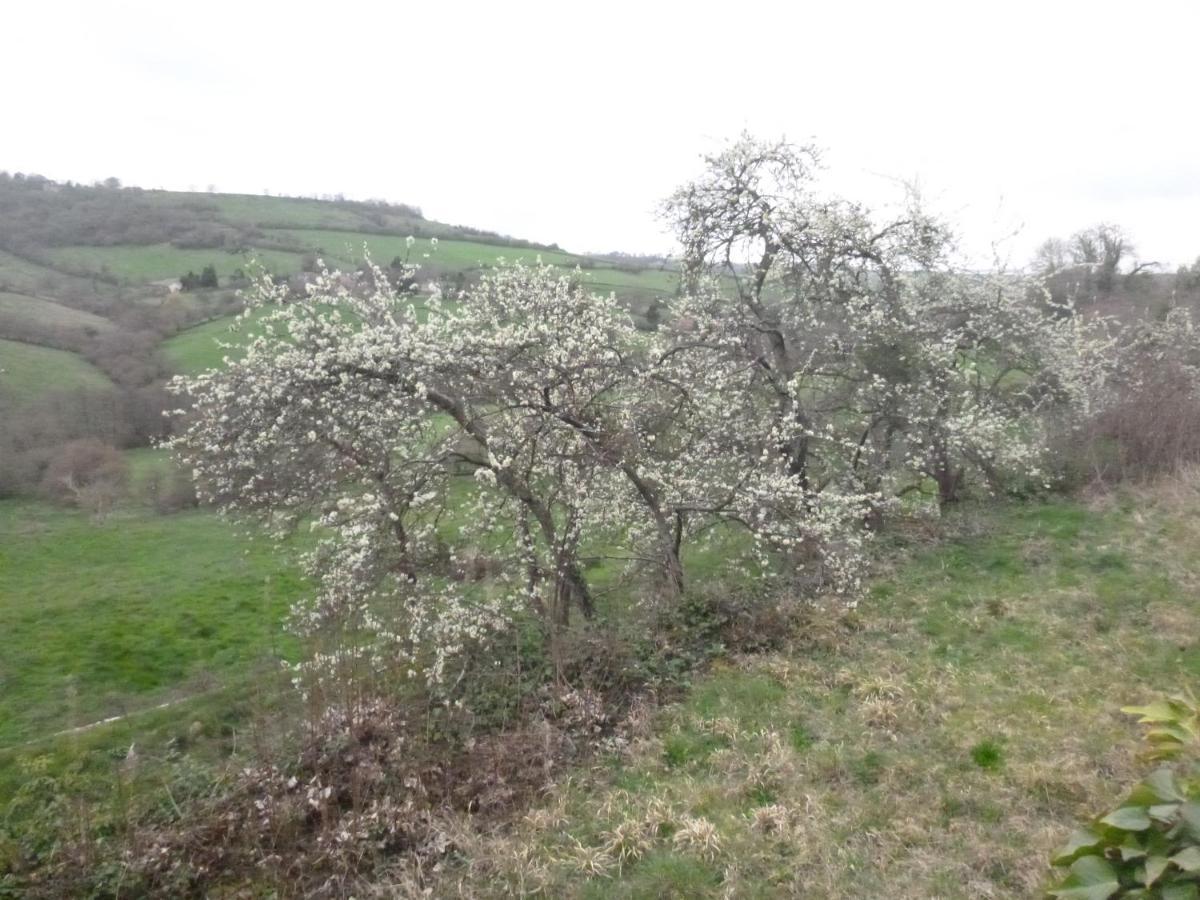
x: 1149, y: 420
x: 526, y: 417
x: 461, y: 457
x: 881, y: 363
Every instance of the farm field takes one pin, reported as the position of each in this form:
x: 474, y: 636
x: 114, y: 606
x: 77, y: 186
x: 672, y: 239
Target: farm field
x: 292, y: 212
x: 160, y: 262
x: 198, y: 348
x: 101, y: 618
x: 346, y: 249
x: 28, y: 372
x: 24, y: 276
x: 38, y: 311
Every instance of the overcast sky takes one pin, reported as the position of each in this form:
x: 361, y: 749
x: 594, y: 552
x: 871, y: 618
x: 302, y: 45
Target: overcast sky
x: 569, y: 121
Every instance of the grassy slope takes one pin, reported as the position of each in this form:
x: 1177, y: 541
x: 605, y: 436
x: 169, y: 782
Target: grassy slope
x: 346, y: 248
x: 158, y: 262
x: 20, y: 308
x: 27, y: 277
x: 940, y: 742
x: 195, y: 349
x: 28, y: 371
x: 102, y: 618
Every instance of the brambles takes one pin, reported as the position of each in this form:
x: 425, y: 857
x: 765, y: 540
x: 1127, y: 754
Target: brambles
x: 88, y: 474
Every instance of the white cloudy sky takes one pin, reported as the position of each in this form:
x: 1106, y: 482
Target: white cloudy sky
x: 568, y: 121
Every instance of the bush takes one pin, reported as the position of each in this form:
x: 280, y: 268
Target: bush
x: 88, y: 474
x: 1148, y: 421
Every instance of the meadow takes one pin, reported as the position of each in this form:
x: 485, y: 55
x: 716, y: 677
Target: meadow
x: 163, y: 262
x: 102, y: 618
x: 28, y: 372
x: 24, y: 276
x: 23, y: 308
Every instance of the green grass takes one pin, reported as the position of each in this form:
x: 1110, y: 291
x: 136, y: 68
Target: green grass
x: 22, y: 309
x: 102, y: 618
x: 248, y: 209
x: 196, y: 349
x: 939, y: 741
x: 28, y: 372
x: 23, y: 276
x: 159, y: 262
x: 346, y: 248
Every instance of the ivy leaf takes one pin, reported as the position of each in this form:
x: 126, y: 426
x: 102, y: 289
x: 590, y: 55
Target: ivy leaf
x: 1128, y: 818
x: 1190, y: 814
x: 1165, y: 812
x: 1180, y: 892
x: 1091, y: 878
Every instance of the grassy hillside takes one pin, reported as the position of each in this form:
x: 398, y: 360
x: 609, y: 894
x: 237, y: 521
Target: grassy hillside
x: 198, y: 348
x: 103, y: 618
x: 97, y: 255
x: 27, y: 371
x: 25, y: 276
x: 20, y: 308
x: 346, y: 248
x: 161, y: 262
x: 939, y: 742
x: 298, y: 212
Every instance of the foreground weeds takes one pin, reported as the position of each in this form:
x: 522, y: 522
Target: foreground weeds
x: 939, y: 742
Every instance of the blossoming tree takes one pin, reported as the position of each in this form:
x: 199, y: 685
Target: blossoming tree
x: 884, y: 364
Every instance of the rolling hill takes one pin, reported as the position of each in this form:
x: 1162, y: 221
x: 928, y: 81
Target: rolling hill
x: 80, y: 264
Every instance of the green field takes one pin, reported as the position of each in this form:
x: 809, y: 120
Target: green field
x: 20, y: 308
x: 344, y: 248
x: 195, y: 349
x: 282, y: 212
x: 101, y: 619
x: 24, y: 276
x: 28, y: 372
x: 160, y: 262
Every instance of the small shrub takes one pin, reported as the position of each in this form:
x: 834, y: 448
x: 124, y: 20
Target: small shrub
x: 988, y: 755
x: 86, y: 473
x: 1149, y: 846
x: 800, y: 738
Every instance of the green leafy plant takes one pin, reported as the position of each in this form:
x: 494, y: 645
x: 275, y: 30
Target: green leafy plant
x: 988, y: 755
x: 1149, y: 846
x: 1176, y: 722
